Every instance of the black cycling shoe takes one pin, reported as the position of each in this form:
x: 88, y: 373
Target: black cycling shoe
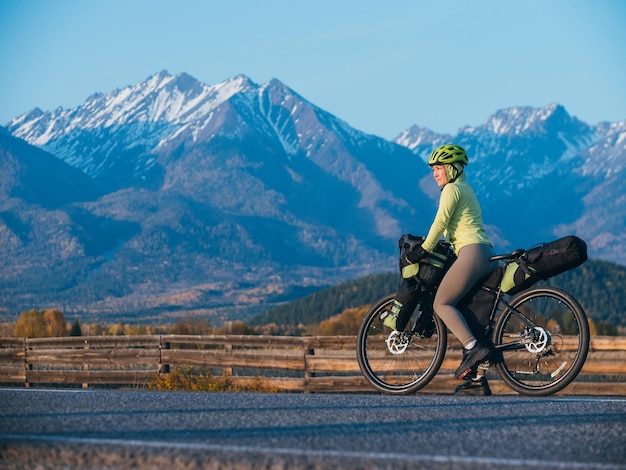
x: 475, y: 388
x: 472, y: 358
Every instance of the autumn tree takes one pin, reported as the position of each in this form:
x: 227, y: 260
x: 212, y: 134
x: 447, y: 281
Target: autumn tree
x: 55, y: 322
x: 235, y: 328
x: 346, y: 323
x: 30, y: 324
x: 40, y: 324
x: 191, y: 326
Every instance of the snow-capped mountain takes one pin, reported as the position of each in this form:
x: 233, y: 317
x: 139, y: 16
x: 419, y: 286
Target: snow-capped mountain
x: 135, y: 136
x: 184, y: 197
x: 126, y: 127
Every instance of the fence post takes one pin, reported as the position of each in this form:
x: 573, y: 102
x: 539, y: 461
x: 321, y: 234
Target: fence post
x: 228, y: 348
x: 86, y: 364
x: 308, y: 351
x: 163, y: 368
x: 27, y: 366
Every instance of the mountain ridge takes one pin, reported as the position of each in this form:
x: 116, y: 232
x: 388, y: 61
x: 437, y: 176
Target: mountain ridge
x: 224, y: 199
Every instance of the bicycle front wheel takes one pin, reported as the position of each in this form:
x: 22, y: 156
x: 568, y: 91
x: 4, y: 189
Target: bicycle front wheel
x: 541, y: 341
x: 398, y: 362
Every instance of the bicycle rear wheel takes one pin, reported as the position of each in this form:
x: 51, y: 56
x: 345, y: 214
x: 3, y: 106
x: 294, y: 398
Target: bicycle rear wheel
x: 398, y: 363
x: 541, y: 341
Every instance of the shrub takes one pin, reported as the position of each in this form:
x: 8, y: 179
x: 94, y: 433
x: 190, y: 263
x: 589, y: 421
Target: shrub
x: 190, y: 379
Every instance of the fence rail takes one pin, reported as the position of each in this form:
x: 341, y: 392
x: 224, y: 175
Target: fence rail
x: 292, y: 364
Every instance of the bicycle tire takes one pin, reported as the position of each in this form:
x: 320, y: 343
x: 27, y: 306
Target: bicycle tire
x: 543, y: 360
x: 400, y: 373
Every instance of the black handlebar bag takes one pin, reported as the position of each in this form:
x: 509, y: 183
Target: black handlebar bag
x: 429, y: 271
x: 431, y: 267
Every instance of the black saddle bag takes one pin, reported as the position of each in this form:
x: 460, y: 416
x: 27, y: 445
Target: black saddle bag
x: 544, y: 261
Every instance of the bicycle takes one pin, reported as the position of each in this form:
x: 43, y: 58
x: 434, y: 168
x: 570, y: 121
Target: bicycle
x: 540, y: 340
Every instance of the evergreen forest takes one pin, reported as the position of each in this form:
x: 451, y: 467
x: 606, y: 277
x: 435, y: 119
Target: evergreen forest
x: 599, y: 286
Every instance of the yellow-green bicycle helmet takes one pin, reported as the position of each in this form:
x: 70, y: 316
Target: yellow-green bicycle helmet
x: 448, y: 153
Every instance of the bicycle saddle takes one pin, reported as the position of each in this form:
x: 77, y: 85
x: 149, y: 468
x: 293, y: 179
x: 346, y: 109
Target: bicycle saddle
x: 514, y: 254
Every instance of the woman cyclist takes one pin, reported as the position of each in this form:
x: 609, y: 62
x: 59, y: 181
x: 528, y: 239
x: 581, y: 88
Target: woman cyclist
x: 459, y: 219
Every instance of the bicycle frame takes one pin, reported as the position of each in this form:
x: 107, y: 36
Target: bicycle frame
x: 499, y: 303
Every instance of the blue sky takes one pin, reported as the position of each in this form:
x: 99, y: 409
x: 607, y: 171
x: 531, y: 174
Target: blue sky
x: 379, y: 66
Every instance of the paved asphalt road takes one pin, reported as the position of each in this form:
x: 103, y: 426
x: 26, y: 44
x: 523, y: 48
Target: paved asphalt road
x: 141, y: 429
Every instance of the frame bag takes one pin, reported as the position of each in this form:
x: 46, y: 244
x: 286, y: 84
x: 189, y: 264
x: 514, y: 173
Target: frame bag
x: 543, y: 262
x: 478, y: 303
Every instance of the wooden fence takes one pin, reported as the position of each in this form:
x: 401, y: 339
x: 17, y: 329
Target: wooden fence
x: 292, y: 364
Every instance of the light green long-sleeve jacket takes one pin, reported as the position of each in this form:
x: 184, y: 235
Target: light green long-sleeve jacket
x: 459, y: 218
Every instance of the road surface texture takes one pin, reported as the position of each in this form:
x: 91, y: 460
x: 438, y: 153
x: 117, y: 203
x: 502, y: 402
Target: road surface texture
x: 107, y: 429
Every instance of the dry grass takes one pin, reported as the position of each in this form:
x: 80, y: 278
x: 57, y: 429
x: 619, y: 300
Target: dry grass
x: 191, y: 379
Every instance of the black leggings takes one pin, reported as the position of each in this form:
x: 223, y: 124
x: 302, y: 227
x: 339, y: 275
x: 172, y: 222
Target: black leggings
x: 471, y: 265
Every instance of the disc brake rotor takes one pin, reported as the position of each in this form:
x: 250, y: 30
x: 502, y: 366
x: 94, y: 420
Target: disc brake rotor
x: 540, y: 341
x: 397, y: 342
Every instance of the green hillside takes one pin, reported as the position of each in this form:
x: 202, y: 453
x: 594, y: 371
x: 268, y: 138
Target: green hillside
x: 599, y: 286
